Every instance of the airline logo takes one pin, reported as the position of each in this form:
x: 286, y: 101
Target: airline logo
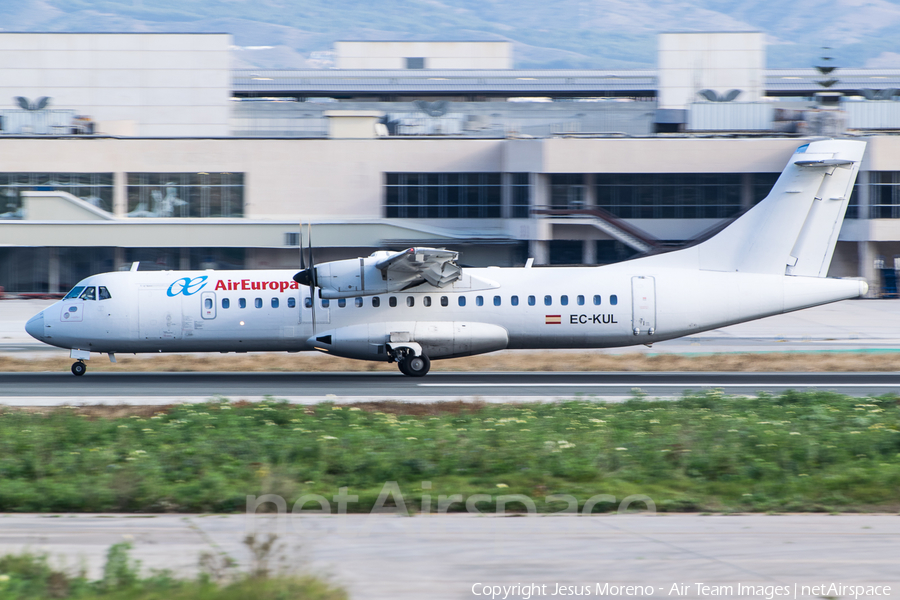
x: 249, y: 284
x: 553, y: 320
x: 186, y: 286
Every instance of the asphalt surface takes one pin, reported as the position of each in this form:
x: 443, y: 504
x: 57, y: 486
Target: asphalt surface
x: 391, y: 557
x: 58, y: 388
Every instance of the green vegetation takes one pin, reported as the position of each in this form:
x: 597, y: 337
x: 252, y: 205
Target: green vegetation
x: 810, y: 451
x: 31, y: 577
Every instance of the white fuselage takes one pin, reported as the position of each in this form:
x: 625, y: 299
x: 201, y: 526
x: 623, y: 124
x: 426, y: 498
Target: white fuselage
x: 635, y: 302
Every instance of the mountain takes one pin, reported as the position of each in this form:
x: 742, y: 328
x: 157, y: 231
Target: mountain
x: 600, y: 34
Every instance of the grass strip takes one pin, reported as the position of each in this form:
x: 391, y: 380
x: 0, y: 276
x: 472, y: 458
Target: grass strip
x: 29, y: 576
x: 799, y: 451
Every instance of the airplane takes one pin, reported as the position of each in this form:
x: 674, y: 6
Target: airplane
x: 420, y: 304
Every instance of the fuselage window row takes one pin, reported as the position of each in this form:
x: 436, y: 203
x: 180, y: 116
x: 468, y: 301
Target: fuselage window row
x: 89, y: 294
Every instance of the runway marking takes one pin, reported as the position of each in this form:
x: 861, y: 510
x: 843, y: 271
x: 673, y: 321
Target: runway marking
x: 673, y: 384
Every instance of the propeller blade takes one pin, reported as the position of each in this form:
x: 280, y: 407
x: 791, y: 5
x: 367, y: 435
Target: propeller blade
x: 310, y: 276
x: 300, y: 246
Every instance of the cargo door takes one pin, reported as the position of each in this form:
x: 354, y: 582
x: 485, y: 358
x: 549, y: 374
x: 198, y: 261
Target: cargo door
x: 643, y: 305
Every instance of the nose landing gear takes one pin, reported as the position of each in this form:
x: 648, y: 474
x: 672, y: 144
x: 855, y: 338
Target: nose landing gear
x: 79, y: 368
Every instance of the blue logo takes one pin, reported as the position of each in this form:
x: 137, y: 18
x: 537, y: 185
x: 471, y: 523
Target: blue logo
x: 186, y: 286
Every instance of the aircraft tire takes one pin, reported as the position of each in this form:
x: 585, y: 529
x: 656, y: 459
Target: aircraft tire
x: 401, y: 364
x: 79, y: 368
x: 417, y: 366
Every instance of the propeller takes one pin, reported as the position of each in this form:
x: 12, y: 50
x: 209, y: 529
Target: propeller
x: 308, y: 275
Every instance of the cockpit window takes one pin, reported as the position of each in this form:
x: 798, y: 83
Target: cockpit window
x: 74, y: 293
x: 89, y: 293
x: 104, y: 293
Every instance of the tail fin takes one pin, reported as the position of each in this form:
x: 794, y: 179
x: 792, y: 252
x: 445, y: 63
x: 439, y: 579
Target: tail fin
x: 794, y: 230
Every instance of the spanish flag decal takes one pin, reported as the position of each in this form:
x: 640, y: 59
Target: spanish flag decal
x: 553, y: 320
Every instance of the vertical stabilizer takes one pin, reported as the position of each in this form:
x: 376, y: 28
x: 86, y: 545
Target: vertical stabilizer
x: 795, y: 228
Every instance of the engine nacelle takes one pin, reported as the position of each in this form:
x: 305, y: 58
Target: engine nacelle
x: 437, y: 339
x: 351, y: 278
x: 384, y: 272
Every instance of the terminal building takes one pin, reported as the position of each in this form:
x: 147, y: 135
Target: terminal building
x: 117, y: 148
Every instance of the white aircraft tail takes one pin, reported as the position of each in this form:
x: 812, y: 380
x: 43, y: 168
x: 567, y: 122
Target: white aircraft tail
x: 793, y: 231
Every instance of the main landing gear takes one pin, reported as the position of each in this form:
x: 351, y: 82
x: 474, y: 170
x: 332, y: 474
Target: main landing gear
x: 414, y: 366
x: 79, y: 368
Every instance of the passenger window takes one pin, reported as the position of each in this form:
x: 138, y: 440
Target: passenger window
x: 596, y: 300
x: 410, y: 301
x: 358, y: 302
x: 226, y: 303
x: 326, y: 303
x: 274, y: 302
x: 307, y: 302
x: 514, y: 300
x: 530, y: 300
x: 342, y: 303
x: 445, y: 301
x: 292, y: 302
x: 580, y: 300
x: 479, y: 301
x: 242, y: 302
x: 462, y: 300
x: 104, y: 293
x: 564, y: 300
x: 496, y: 300
x: 426, y: 300
x: 74, y: 293
x: 548, y: 300
x: 392, y: 301
x: 376, y: 302
x: 613, y: 299
x: 89, y: 293
x: 258, y: 303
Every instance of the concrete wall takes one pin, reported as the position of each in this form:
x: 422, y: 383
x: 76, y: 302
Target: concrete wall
x: 148, y: 84
x: 690, y: 62
x: 437, y: 55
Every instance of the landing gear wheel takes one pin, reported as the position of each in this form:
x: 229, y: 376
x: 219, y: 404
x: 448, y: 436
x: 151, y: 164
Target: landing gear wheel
x: 79, y: 368
x: 415, y: 366
x: 401, y: 364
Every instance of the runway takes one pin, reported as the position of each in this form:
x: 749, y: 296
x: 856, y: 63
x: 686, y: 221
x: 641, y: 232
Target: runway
x: 385, y: 556
x: 161, y: 388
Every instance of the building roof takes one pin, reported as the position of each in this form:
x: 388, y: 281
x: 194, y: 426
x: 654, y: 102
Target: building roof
x: 525, y: 82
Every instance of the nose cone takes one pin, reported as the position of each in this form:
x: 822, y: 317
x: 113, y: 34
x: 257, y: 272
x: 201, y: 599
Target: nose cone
x: 35, y: 326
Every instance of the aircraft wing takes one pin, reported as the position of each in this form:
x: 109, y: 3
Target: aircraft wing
x: 416, y: 265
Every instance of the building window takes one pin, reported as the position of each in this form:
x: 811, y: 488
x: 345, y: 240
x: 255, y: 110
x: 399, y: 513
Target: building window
x: 185, y: 194
x: 671, y: 195
x: 94, y: 188
x: 567, y: 190
x: 762, y: 185
x: 415, y: 62
x: 884, y: 195
x: 443, y: 195
x: 520, y: 197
